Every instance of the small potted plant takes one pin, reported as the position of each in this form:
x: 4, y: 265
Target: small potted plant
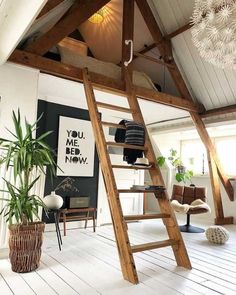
x: 26, y: 156
x: 182, y: 174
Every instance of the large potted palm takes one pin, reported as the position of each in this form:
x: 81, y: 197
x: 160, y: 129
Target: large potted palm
x: 28, y: 157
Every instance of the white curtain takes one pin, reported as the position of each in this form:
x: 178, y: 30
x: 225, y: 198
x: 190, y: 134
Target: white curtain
x: 8, y: 175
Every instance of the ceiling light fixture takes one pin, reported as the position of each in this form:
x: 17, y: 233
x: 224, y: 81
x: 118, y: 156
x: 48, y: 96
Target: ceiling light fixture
x: 214, y: 31
x: 97, y: 17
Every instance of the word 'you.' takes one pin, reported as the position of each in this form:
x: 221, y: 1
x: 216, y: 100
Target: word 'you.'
x: 73, y: 151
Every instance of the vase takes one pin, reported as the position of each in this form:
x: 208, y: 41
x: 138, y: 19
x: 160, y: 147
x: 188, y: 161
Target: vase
x: 53, y: 201
x: 181, y: 169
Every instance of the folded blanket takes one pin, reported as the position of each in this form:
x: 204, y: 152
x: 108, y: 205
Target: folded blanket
x: 184, y: 208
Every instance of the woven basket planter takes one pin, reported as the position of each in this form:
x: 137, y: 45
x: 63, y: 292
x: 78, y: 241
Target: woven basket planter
x: 25, y: 243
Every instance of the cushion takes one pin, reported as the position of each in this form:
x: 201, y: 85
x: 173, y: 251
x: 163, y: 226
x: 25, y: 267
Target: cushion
x: 70, y: 55
x: 217, y: 234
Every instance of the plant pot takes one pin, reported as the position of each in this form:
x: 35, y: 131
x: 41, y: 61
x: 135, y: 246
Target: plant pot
x: 25, y: 243
x: 181, y: 169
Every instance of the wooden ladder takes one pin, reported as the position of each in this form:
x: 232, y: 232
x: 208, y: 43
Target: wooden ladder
x: 125, y: 250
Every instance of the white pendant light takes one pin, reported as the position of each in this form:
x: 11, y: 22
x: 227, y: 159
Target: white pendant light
x: 214, y: 31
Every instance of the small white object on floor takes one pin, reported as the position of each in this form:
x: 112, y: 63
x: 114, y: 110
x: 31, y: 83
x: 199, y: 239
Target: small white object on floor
x: 217, y: 234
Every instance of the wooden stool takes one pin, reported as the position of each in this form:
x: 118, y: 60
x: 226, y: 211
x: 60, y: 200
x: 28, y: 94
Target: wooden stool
x: 66, y: 215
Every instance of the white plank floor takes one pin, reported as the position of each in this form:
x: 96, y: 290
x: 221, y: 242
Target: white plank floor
x: 88, y: 264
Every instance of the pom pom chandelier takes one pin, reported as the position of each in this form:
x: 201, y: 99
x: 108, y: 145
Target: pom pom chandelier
x: 214, y: 31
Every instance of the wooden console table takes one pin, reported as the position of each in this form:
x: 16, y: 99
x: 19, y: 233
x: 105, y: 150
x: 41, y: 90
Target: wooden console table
x: 66, y: 215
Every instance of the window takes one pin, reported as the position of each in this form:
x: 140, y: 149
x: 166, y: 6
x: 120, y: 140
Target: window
x: 194, y: 156
x: 226, y: 147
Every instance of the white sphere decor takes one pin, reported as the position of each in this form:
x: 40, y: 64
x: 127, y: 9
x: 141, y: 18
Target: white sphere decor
x: 217, y: 234
x: 53, y: 201
x: 214, y: 31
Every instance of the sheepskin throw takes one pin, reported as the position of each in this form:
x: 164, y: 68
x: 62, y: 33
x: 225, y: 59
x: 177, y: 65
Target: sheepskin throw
x: 184, y: 208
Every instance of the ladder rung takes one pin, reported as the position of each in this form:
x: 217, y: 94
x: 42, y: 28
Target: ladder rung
x: 132, y: 167
x: 110, y: 124
x: 121, y: 191
x: 147, y: 216
x: 127, y: 146
x: 113, y: 107
x: 153, y: 245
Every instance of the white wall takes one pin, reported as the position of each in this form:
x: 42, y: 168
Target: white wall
x: 18, y: 89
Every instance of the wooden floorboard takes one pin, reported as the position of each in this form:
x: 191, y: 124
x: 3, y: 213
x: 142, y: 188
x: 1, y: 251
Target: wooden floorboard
x: 88, y: 264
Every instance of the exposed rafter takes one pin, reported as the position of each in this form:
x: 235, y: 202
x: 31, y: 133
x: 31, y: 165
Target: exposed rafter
x: 76, y: 15
x: 146, y: 49
x: 220, y: 111
x: 183, y: 90
x: 150, y: 58
x: 178, y: 31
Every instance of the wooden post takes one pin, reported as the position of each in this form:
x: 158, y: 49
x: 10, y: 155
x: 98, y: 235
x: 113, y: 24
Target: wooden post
x: 215, y: 185
x: 127, y: 34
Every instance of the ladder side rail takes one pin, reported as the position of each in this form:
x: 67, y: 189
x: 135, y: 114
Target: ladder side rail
x: 119, y: 224
x: 171, y: 224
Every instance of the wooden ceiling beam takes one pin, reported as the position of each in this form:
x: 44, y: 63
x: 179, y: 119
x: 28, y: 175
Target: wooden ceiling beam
x: 164, y: 98
x: 183, y: 90
x: 147, y: 48
x: 48, y: 7
x: 61, y: 70
x: 100, y: 82
x: 150, y: 58
x: 178, y: 31
x: 80, y: 11
x: 219, y: 111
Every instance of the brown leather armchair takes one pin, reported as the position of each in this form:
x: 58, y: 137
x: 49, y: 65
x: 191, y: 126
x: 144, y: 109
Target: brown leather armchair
x: 186, y: 195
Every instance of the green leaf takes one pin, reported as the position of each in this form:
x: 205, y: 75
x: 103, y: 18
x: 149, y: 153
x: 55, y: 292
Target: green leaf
x: 179, y: 177
x: 161, y: 161
x: 44, y: 135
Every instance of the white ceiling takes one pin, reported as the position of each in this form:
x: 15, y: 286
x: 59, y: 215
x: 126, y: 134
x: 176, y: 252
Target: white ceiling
x: 210, y: 85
